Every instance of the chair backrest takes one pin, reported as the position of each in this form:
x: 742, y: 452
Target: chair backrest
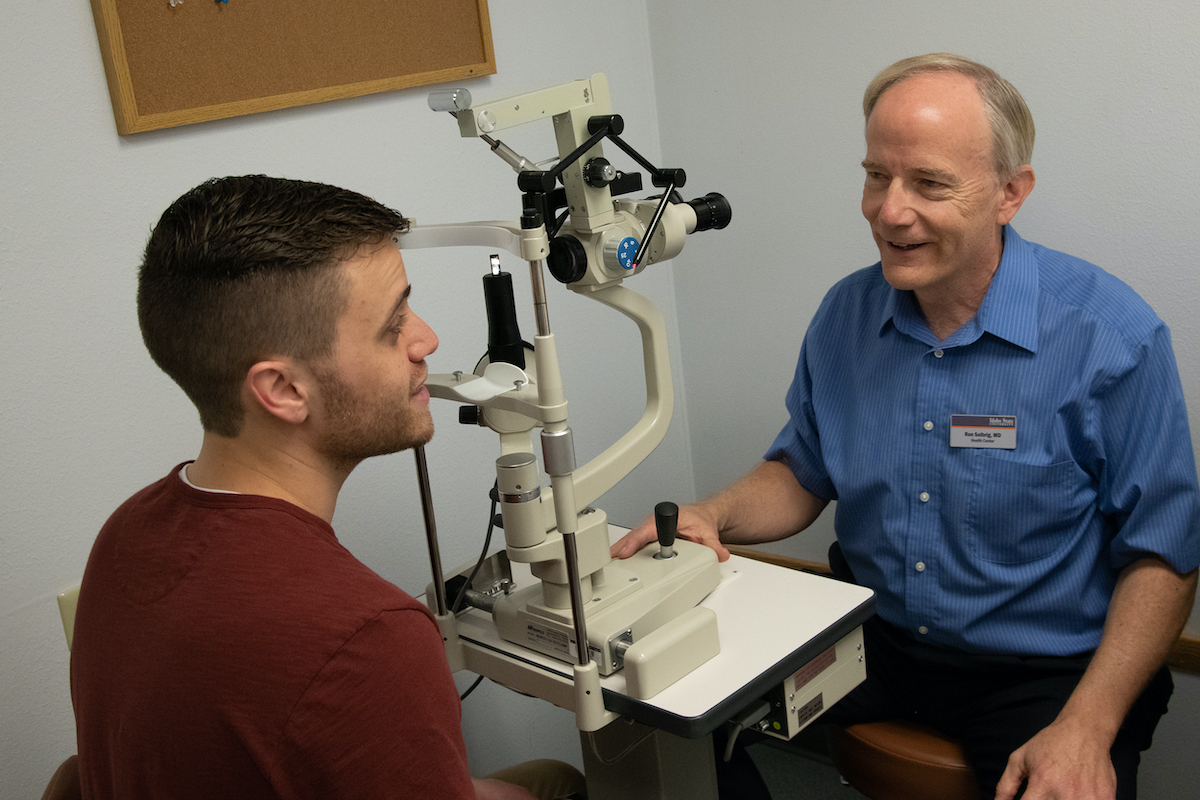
x: 65, y: 783
x: 66, y: 607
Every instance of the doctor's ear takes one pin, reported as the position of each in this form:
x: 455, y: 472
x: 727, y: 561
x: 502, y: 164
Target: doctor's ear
x: 1016, y: 189
x: 280, y: 388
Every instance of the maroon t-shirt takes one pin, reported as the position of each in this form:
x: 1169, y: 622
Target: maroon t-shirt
x: 228, y: 646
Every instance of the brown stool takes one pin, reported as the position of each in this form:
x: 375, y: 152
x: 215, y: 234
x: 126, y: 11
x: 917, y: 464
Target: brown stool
x: 900, y: 760
x: 65, y: 783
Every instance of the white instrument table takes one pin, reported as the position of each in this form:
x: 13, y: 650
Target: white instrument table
x: 771, y: 621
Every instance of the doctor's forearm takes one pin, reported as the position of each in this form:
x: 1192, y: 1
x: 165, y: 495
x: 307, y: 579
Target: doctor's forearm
x: 1149, y: 608
x: 766, y: 505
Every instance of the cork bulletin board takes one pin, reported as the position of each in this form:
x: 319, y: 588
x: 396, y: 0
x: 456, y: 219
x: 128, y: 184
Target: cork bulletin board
x: 176, y: 62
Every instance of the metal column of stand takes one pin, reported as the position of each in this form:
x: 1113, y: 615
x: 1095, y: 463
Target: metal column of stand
x: 626, y: 760
x: 435, y: 557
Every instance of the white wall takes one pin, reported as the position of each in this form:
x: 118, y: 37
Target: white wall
x: 761, y: 103
x: 88, y: 419
x: 1115, y: 91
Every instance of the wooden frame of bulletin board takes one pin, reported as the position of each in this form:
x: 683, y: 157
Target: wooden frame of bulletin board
x: 175, y: 62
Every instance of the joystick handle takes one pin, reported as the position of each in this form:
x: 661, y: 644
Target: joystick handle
x: 666, y: 521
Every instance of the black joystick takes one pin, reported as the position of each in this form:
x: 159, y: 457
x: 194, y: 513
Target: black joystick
x: 666, y: 520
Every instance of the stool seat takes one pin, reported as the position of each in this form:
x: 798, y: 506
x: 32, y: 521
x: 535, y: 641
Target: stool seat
x: 65, y: 783
x: 901, y: 760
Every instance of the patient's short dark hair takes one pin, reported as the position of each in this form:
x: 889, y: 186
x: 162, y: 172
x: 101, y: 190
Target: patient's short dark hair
x: 243, y: 269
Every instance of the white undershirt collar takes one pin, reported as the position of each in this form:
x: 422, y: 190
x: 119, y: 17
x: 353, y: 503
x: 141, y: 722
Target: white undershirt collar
x: 183, y: 477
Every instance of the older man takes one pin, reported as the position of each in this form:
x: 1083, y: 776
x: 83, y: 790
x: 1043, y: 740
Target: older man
x: 1004, y: 430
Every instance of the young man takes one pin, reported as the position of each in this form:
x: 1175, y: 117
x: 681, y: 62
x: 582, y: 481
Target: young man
x: 226, y: 645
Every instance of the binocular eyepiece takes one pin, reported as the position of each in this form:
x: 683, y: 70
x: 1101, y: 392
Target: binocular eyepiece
x: 713, y: 211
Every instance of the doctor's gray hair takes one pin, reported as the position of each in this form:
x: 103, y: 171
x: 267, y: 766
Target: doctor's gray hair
x: 1009, y: 117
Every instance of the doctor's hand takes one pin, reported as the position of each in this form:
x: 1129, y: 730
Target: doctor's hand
x: 1064, y: 760
x: 696, y: 524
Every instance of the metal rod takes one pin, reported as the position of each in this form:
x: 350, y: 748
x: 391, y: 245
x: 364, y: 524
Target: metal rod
x: 435, y: 557
x: 571, y: 552
x: 644, y: 247
x: 570, y: 548
x: 541, y: 313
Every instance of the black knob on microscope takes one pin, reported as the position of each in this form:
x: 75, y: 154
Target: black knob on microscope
x: 598, y: 173
x: 568, y: 259
x: 666, y: 521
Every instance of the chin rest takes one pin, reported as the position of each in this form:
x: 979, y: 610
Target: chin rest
x: 900, y: 760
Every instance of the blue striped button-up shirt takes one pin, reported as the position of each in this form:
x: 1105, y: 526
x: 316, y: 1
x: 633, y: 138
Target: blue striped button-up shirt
x: 990, y: 549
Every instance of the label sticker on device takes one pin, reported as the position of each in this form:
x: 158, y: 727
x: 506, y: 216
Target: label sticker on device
x: 547, y: 640
x: 993, y: 430
x: 814, y: 668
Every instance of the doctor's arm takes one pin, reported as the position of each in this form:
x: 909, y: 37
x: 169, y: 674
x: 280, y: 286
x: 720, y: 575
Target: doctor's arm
x: 1070, y: 757
x: 766, y: 505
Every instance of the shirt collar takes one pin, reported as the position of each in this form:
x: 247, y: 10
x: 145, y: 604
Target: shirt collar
x: 1008, y: 311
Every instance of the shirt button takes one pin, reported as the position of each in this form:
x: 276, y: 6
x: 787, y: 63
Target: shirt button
x: 924, y: 497
x: 939, y: 353
x: 920, y: 566
x: 928, y: 425
x: 922, y: 630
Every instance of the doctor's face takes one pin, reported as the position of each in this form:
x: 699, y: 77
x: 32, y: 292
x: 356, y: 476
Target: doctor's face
x: 934, y: 201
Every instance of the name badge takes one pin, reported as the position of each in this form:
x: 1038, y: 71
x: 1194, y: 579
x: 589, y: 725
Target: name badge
x: 969, y: 430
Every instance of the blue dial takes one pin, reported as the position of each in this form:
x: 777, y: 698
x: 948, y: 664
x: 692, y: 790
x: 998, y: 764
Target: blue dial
x: 626, y: 250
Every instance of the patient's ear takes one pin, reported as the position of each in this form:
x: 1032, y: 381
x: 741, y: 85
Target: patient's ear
x: 280, y: 388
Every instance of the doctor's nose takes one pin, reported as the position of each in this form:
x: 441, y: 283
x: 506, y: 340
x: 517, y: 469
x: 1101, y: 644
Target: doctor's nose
x: 895, y: 205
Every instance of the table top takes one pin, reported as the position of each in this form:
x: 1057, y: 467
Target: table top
x: 771, y: 621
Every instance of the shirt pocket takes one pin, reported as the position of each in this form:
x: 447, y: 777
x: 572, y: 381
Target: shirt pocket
x: 1019, y: 513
